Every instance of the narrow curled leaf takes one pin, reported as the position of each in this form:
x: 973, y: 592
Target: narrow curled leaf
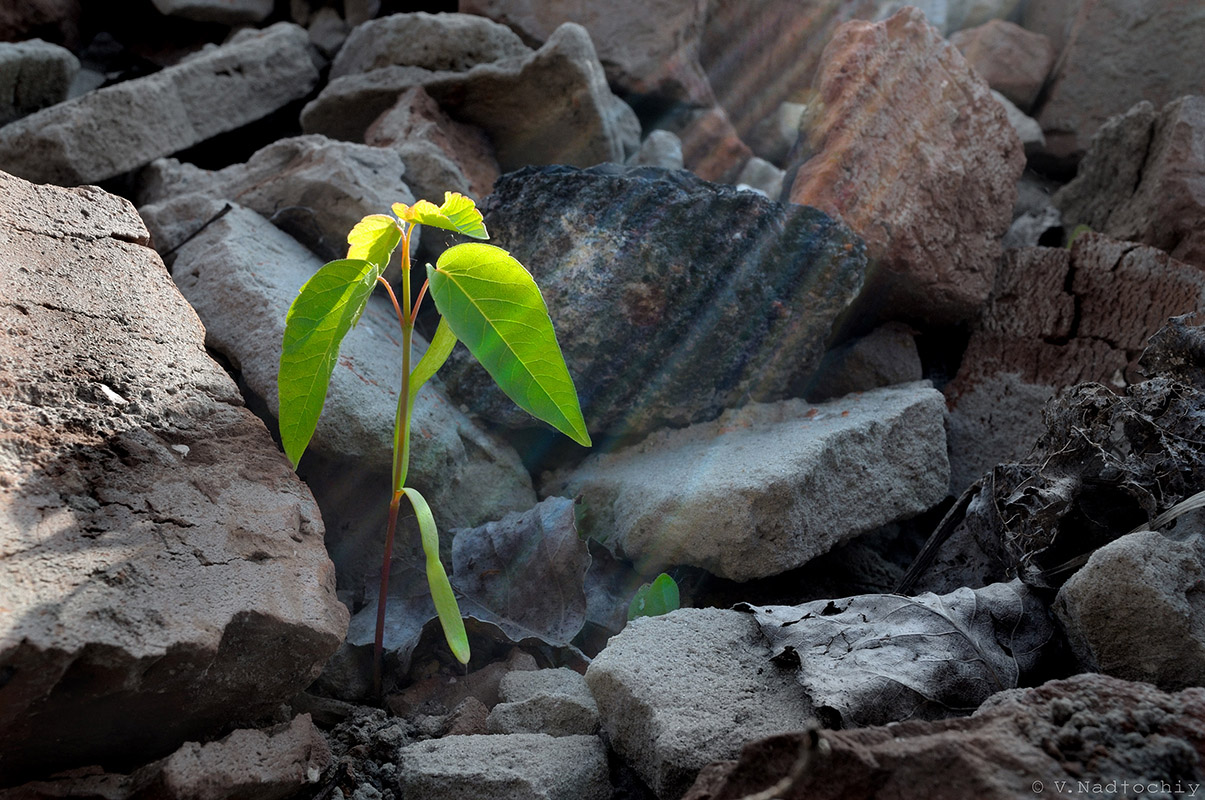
x: 458, y: 213
x: 374, y: 239
x: 328, y: 306
x: 656, y: 598
x: 493, y: 305
x: 437, y: 578
x: 437, y: 353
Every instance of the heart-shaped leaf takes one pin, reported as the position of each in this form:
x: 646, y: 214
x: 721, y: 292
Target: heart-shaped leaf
x: 493, y: 305
x: 458, y: 213
x: 328, y: 306
x: 374, y: 239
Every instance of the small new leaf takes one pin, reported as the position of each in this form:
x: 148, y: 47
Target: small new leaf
x: 374, y: 239
x: 493, y: 305
x: 458, y: 213
x: 329, y: 305
x: 437, y: 578
x: 656, y: 598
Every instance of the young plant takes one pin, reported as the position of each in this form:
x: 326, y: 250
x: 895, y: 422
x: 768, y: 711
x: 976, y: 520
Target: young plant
x: 486, y: 299
x: 656, y: 598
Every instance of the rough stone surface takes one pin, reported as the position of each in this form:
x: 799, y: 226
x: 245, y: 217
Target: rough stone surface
x: 552, y: 701
x: 1013, y: 61
x: 241, y: 274
x: 1135, y: 610
x: 937, y: 165
x: 33, y: 75
x: 1143, y: 179
x: 766, y: 488
x: 163, y: 569
x: 118, y: 128
x: 1120, y: 52
x: 1057, y: 317
x: 679, y: 691
x: 313, y: 188
x: 1085, y: 735
x: 227, y: 12
x: 761, y: 176
x: 245, y: 765
x: 649, y: 49
x: 884, y: 357
x: 661, y: 148
x: 521, y: 766
x: 773, y: 137
x: 57, y: 20
x: 441, y: 154
x: 552, y: 106
x: 635, y: 256
x: 1027, y: 128
x: 437, y: 42
x: 711, y: 147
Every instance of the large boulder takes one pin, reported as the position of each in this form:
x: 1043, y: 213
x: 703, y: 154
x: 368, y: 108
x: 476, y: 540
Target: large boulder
x: 552, y: 106
x: 241, y: 273
x: 767, y: 487
x: 1143, y: 179
x: 906, y: 144
x: 119, y: 128
x: 163, y: 569
x: 664, y: 316
x: 1118, y: 53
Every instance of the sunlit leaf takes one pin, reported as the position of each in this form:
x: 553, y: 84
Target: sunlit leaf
x: 437, y: 579
x: 493, y: 305
x: 374, y: 239
x: 328, y: 306
x: 437, y: 353
x: 458, y: 213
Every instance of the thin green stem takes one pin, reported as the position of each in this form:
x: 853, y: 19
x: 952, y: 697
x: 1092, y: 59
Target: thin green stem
x: 421, y: 294
x: 401, y: 454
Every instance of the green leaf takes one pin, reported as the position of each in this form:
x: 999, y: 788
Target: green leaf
x: 493, y: 305
x: 656, y: 598
x: 374, y: 239
x: 328, y: 306
x: 437, y: 578
x: 437, y: 353
x: 458, y: 213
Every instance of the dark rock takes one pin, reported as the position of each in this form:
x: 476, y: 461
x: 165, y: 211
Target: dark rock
x: 664, y: 316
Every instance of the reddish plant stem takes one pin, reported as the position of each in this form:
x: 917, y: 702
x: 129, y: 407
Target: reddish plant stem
x: 401, y: 318
x: 378, y: 648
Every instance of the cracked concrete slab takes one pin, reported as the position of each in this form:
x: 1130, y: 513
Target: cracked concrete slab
x: 1057, y: 317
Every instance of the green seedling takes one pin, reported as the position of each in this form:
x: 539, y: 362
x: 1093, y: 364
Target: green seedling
x: 656, y: 598
x: 486, y: 299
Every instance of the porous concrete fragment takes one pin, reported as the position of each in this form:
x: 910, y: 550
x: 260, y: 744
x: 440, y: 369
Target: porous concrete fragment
x: 679, y: 691
x: 313, y: 188
x: 1118, y: 53
x: 767, y: 487
x: 552, y: 106
x: 241, y: 273
x: 649, y: 48
x: 1135, y: 610
x: 520, y: 766
x: 162, y: 568
x: 226, y: 12
x: 552, y: 701
x: 121, y: 127
x: 436, y: 42
x: 1143, y: 179
x: 33, y: 75
x: 933, y: 203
